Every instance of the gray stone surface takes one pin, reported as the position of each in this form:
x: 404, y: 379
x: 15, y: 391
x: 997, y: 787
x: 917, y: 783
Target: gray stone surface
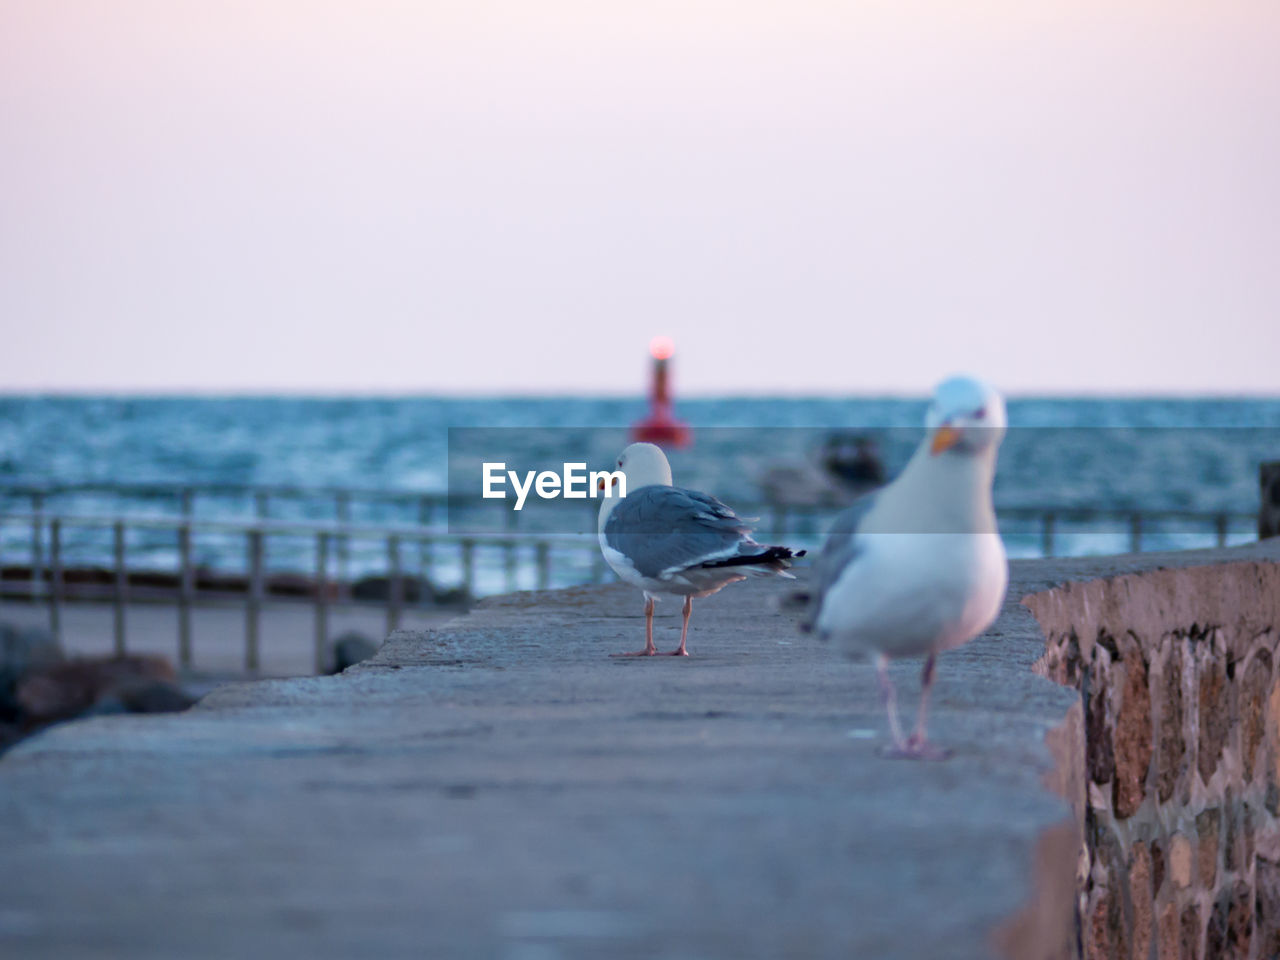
x: 499, y: 788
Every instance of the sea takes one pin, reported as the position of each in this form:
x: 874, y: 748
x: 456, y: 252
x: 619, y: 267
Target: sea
x: 1152, y: 454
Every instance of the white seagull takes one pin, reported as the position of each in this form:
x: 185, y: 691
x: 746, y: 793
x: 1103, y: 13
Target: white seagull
x: 918, y: 567
x: 666, y: 539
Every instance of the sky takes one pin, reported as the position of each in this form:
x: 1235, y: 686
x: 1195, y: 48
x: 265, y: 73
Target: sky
x: 1062, y: 196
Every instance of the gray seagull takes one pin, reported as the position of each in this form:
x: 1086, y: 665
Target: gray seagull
x: 666, y: 539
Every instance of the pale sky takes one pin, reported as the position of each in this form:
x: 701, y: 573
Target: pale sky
x: 474, y: 196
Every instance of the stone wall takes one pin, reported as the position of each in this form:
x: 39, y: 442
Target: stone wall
x: 1178, y: 676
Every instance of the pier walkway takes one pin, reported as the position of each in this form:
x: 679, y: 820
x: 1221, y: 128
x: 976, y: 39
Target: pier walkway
x: 498, y: 787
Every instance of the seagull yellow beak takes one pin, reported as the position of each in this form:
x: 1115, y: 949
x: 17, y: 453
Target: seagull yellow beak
x: 944, y: 438
x: 613, y: 482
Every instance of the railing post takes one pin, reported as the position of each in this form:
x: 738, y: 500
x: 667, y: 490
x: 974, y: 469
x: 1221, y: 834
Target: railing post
x: 1268, y: 499
x: 254, y: 606
x: 469, y: 567
x: 342, y: 506
x: 1221, y: 523
x: 322, y: 602
x: 55, y: 579
x: 509, y: 564
x: 37, y: 542
x: 544, y: 564
x: 122, y: 587
x: 186, y: 594
x: 1135, y: 533
x: 1046, y: 533
x: 395, y: 584
x: 424, y: 544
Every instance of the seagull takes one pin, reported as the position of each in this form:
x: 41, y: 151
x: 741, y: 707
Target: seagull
x: 918, y: 567
x: 667, y: 539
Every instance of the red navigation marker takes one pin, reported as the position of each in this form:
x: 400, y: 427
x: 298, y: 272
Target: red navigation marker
x: 661, y: 426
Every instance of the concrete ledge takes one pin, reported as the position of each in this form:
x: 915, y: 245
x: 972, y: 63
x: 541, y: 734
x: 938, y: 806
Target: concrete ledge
x: 499, y: 788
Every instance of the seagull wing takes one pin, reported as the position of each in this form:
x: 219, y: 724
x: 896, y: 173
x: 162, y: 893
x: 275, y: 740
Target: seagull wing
x: 663, y: 530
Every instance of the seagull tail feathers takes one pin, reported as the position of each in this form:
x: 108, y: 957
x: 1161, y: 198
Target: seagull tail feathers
x: 771, y: 561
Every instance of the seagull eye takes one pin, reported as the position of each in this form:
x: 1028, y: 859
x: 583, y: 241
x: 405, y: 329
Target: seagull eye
x: 982, y: 412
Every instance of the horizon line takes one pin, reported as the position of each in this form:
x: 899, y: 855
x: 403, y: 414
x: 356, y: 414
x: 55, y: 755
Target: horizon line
x: 177, y: 393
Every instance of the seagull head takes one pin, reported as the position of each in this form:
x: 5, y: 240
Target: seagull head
x: 966, y: 416
x: 644, y: 465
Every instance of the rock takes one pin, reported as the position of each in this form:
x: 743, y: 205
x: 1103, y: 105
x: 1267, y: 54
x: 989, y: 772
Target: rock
x: 291, y: 585
x: 1171, y: 756
x: 64, y: 690
x: 88, y: 576
x: 212, y: 581
x: 1267, y: 906
x: 1208, y: 826
x: 454, y: 597
x: 349, y: 649
x: 1099, y: 751
x: 1191, y: 936
x: 13, y: 572
x: 1142, y: 900
x: 1107, y: 933
x: 1229, y: 933
x: 22, y: 649
x: 154, y: 579
x: 1254, y: 690
x: 1132, y: 738
x: 1215, y: 717
x: 1167, y: 935
x: 1237, y: 851
x: 1180, y: 861
x: 378, y: 589
x: 416, y: 590
x: 152, y: 696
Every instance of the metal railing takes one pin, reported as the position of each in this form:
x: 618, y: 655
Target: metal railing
x: 427, y: 510
x: 1220, y: 524
x: 408, y: 551
x: 47, y: 580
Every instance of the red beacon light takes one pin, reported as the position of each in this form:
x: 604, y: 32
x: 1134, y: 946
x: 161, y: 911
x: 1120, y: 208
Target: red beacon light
x: 661, y: 426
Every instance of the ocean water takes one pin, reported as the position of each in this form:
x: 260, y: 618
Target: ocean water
x: 1153, y: 454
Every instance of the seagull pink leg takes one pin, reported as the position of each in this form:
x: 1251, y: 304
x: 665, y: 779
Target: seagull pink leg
x: 919, y: 742
x: 684, y: 630
x: 890, y: 701
x: 649, y: 649
x: 917, y: 746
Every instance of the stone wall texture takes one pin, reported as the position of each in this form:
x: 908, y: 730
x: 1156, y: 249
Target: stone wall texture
x: 1180, y: 685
